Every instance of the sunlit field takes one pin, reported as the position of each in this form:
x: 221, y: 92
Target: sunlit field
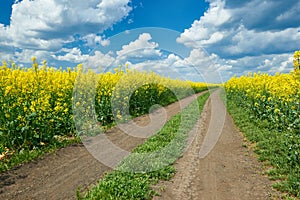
x: 36, y: 104
x: 267, y: 109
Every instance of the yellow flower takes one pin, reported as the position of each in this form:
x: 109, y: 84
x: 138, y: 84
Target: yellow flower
x: 277, y: 110
x: 269, y: 99
x: 47, y: 91
x: 7, y: 90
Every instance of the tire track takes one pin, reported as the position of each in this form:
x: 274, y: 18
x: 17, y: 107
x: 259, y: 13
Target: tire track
x: 59, y: 174
x: 229, y: 171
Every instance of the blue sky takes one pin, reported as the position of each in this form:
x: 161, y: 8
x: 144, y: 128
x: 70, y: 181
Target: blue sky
x: 217, y: 38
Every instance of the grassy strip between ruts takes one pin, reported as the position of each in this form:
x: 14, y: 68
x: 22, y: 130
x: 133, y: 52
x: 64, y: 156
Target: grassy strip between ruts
x: 273, y: 147
x: 128, y: 181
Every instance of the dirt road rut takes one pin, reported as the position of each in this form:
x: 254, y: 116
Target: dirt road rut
x: 59, y: 174
x: 230, y: 170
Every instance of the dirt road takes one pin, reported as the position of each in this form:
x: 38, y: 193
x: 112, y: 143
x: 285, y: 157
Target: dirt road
x: 230, y: 171
x: 59, y: 174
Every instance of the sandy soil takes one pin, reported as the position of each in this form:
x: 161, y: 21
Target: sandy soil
x: 229, y: 171
x: 59, y: 174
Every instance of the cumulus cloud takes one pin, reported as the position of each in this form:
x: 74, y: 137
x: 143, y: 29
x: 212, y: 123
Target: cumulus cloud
x: 265, y: 15
x: 25, y: 55
x: 100, y: 60
x: 198, y: 66
x: 270, y: 63
x: 138, y: 53
x: 273, y: 63
x: 71, y: 55
x: 211, y: 67
x: 140, y: 48
x: 246, y: 33
x: 249, y: 42
x: 246, y: 28
x: 93, y: 40
x: 144, y: 54
x: 207, y: 30
x: 49, y: 25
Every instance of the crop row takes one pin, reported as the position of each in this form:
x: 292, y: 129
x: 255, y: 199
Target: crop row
x: 267, y: 109
x: 39, y: 106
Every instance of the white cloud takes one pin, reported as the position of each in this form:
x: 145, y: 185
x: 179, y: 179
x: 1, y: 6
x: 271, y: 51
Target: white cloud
x: 140, y: 48
x: 250, y: 42
x: 49, y: 25
x: 247, y: 35
x: 216, y: 15
x: 290, y: 14
x: 238, y: 31
x: 206, y: 30
x: 26, y: 55
x: 100, y: 60
x: 105, y: 42
x: 92, y: 40
x: 211, y: 67
x: 198, y: 66
x: 72, y: 55
x: 271, y: 63
x: 269, y: 15
x: 174, y: 60
x: 276, y: 63
x: 140, y: 51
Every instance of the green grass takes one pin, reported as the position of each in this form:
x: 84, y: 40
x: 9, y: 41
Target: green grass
x: 26, y: 155
x: 134, y: 179
x: 279, y: 150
